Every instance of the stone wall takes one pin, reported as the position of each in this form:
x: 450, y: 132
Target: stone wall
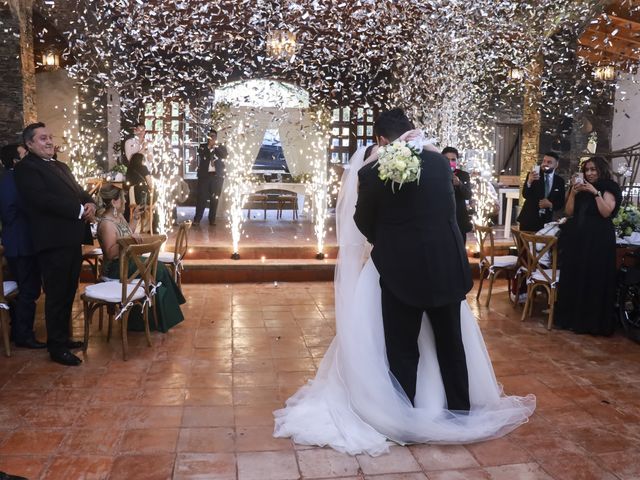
x: 17, y: 77
x: 56, y: 96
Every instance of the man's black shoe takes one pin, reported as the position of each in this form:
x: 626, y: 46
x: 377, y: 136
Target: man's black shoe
x: 65, y: 357
x: 73, y: 344
x: 30, y: 343
x: 6, y: 476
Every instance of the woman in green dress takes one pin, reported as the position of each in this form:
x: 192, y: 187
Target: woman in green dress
x: 112, y: 225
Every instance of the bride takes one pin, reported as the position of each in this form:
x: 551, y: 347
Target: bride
x: 354, y: 404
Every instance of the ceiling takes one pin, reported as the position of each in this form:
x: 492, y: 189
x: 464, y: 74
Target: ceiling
x: 614, y: 36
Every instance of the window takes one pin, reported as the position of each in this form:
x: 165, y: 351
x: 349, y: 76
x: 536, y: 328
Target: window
x: 351, y: 128
x: 172, y: 120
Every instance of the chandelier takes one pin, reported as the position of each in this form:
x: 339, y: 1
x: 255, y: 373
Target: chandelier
x: 281, y: 44
x: 605, y: 73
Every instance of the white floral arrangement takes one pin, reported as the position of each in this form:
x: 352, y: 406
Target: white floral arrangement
x: 400, y: 163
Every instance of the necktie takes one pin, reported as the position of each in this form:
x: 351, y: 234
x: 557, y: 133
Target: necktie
x: 547, y: 184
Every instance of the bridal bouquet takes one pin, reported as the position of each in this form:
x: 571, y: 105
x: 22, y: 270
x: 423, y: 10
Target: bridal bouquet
x: 398, y: 162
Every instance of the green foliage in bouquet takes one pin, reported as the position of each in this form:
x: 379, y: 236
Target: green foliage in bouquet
x: 627, y: 221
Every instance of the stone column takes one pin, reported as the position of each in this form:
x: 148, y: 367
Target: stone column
x: 17, y: 77
x: 531, y: 121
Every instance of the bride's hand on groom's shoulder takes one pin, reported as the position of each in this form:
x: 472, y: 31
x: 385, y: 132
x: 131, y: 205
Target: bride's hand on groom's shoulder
x: 411, y: 135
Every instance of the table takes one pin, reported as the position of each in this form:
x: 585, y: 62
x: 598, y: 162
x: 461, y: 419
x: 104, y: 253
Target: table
x: 511, y: 194
x: 298, y: 188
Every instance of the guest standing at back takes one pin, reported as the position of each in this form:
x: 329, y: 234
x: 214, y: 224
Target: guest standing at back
x: 58, y: 210
x: 462, y: 191
x: 19, y: 251
x: 211, y: 169
x: 587, y: 288
x: 543, y: 193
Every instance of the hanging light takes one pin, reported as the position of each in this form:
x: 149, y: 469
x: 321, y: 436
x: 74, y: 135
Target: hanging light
x: 51, y: 60
x: 281, y: 44
x: 515, y: 74
x: 605, y: 73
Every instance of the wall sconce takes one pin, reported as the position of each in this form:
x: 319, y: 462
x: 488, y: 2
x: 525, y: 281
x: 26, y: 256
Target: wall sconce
x: 51, y: 60
x: 515, y: 74
x: 606, y: 73
x: 281, y: 44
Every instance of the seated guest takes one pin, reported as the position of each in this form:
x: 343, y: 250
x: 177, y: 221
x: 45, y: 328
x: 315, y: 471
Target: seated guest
x: 587, y: 288
x: 19, y: 252
x: 543, y: 193
x: 112, y: 225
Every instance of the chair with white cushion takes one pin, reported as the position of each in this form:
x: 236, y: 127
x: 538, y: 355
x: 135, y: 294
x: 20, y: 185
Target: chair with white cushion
x: 135, y: 289
x: 539, y: 275
x: 491, y: 265
x: 173, y: 260
x: 8, y: 292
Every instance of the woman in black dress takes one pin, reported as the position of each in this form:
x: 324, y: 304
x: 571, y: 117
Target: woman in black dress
x: 586, y: 292
x: 139, y: 177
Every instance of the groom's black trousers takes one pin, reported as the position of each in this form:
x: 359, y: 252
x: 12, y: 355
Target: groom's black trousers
x: 401, y: 329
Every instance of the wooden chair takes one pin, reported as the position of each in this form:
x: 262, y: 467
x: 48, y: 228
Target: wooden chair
x: 491, y: 265
x: 288, y: 202
x: 539, y: 275
x: 93, y: 256
x: 145, y: 224
x: 8, y: 293
x: 173, y: 260
x: 522, y: 265
x: 137, y: 288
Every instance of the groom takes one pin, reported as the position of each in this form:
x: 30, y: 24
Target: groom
x: 419, y: 253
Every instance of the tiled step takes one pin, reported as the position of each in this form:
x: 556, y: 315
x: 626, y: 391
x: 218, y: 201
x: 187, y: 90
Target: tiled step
x: 237, y: 271
x: 209, y: 264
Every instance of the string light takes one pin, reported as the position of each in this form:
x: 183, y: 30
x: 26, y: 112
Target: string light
x: 83, y: 147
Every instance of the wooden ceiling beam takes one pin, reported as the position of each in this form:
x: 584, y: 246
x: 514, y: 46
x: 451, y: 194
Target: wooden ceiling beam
x: 599, y: 56
x: 631, y: 24
x: 618, y: 38
x: 597, y: 43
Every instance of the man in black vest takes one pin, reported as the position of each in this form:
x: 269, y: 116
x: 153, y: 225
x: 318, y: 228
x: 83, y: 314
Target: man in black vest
x: 462, y: 191
x: 420, y: 256
x: 58, y: 210
x: 210, y: 177
x: 543, y: 193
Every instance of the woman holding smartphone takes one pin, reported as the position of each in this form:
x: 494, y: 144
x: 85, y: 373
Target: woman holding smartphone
x: 586, y: 291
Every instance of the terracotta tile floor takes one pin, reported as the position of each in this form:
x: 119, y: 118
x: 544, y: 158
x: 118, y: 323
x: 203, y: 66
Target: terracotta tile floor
x: 198, y: 404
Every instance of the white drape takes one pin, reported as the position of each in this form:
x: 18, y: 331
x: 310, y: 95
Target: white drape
x: 294, y: 126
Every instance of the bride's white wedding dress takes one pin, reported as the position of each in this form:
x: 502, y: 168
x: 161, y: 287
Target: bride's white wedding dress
x: 354, y: 404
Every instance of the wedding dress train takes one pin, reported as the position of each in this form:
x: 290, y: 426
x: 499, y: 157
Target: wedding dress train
x: 354, y: 404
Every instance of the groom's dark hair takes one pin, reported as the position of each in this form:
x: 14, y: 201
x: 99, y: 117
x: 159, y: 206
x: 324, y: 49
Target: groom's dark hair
x: 391, y: 124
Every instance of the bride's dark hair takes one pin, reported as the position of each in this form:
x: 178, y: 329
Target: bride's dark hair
x: 391, y: 124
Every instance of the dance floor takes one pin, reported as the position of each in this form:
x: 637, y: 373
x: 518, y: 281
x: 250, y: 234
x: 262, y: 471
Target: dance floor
x: 197, y: 405
x: 257, y: 230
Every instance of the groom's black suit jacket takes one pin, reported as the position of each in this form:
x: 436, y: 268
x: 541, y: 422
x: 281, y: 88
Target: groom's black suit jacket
x: 417, y: 245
